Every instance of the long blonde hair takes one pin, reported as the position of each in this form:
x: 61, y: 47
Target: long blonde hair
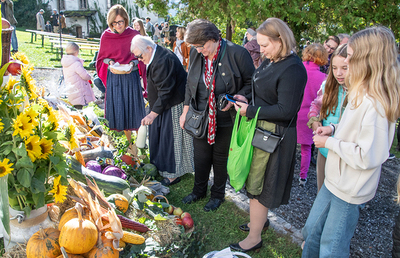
x: 374, y: 70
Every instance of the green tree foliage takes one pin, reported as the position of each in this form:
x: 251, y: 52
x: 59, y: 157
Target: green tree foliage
x: 25, y: 12
x: 315, y: 19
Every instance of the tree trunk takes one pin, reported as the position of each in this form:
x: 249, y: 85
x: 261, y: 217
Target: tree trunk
x: 229, y: 31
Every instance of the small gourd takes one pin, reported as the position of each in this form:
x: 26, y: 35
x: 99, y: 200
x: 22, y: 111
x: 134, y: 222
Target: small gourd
x: 103, y: 249
x: 72, y: 214
x: 44, y: 244
x: 119, y: 201
x: 78, y: 235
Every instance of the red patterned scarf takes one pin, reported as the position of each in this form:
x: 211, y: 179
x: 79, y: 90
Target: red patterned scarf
x: 212, y: 105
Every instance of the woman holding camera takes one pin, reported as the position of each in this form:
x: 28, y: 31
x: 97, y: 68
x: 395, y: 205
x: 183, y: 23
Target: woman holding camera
x: 216, y: 67
x: 278, y: 86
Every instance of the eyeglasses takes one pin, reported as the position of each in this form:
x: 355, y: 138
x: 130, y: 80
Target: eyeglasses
x: 118, y: 22
x: 199, y: 47
x: 139, y: 56
x: 329, y: 46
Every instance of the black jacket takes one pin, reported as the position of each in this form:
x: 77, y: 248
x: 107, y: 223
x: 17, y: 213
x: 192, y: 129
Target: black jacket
x: 235, y: 68
x: 166, y: 80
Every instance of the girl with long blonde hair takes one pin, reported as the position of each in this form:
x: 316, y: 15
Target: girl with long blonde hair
x: 360, y: 143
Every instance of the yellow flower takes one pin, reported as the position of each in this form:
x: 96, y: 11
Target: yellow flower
x: 1, y: 99
x: 32, y: 145
x: 28, y: 82
x: 44, y: 104
x: 53, y: 117
x: 22, y: 126
x: 46, y: 147
x: 21, y: 57
x: 1, y: 126
x: 70, y: 135
x: 5, y: 167
x: 11, y: 83
x: 59, y: 190
x: 32, y: 114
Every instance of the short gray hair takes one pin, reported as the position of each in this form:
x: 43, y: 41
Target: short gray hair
x: 71, y: 48
x: 141, y: 43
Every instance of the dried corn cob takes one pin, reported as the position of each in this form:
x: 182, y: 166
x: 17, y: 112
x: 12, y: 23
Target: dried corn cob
x: 131, y: 224
x: 132, y: 238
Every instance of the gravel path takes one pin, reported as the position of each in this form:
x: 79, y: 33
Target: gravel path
x: 373, y: 235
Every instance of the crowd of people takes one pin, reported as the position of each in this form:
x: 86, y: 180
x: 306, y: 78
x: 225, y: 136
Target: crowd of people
x: 341, y: 96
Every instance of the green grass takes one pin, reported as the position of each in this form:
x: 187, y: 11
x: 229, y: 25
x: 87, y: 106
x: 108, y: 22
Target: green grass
x: 43, y: 56
x: 220, y: 228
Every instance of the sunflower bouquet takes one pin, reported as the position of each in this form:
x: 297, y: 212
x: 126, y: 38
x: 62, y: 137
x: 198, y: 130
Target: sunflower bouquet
x: 32, y: 160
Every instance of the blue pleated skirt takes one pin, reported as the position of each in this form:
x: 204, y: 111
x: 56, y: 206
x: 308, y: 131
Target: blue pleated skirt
x: 124, y: 107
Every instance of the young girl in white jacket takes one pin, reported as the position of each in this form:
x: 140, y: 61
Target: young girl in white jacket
x: 360, y: 143
x: 76, y: 78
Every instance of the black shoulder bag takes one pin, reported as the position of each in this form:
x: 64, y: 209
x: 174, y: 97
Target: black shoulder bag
x: 264, y: 139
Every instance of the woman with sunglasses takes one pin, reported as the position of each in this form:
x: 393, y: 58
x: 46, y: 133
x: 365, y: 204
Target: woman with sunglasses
x: 124, y: 105
x: 170, y: 147
x: 216, y: 67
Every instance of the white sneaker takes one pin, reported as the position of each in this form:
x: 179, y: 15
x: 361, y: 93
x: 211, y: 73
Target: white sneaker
x: 302, y: 182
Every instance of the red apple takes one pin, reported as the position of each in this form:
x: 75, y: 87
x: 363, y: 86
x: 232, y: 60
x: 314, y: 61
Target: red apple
x: 178, y: 212
x: 5, y: 24
x: 187, y: 222
x: 169, y: 210
x: 178, y: 221
x: 185, y: 214
x: 14, y: 68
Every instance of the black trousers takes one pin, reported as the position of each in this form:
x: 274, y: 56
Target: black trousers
x: 215, y: 155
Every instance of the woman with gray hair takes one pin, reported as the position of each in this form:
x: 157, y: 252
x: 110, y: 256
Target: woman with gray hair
x: 170, y: 147
x: 231, y: 67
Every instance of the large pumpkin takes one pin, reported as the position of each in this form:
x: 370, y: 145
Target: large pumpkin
x: 78, y: 235
x: 120, y: 202
x: 71, y: 256
x: 103, y: 249
x: 44, y: 244
x: 72, y: 214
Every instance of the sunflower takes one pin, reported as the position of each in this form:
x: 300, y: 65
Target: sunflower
x: 5, y: 167
x: 22, y: 126
x: 53, y: 117
x: 32, y: 114
x: 32, y: 145
x: 28, y: 82
x: 1, y: 126
x: 21, y: 57
x: 11, y: 83
x: 44, y: 104
x: 70, y: 135
x: 46, y: 147
x: 59, y: 190
x: 1, y: 99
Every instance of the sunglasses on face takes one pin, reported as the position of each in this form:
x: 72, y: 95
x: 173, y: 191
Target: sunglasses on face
x: 329, y: 46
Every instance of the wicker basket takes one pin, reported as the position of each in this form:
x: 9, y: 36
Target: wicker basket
x: 6, y: 45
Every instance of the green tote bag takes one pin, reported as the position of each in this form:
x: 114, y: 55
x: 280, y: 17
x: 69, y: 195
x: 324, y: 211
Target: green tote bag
x: 241, y: 150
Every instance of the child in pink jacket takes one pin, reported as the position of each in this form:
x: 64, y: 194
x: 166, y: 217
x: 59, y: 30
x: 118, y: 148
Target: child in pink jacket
x: 76, y: 78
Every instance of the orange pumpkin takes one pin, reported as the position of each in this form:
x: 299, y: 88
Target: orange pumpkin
x: 103, y: 249
x: 120, y: 202
x: 71, y: 256
x: 44, y: 244
x: 72, y: 214
x: 78, y: 235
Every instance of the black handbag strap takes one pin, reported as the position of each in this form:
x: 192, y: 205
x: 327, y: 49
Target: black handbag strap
x: 254, y: 101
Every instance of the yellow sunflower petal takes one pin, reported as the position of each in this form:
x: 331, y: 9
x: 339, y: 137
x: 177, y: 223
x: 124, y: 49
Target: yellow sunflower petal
x: 32, y: 145
x: 59, y: 190
x: 22, y: 126
x: 1, y: 126
x: 32, y: 114
x: 46, y: 148
x: 5, y: 167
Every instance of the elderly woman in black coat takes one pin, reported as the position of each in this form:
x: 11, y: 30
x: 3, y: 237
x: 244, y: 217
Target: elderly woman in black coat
x: 170, y: 147
x: 216, y: 67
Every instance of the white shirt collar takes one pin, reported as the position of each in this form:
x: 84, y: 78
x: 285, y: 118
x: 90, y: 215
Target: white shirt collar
x: 152, y: 56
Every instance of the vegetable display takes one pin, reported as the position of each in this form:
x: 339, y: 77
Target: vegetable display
x: 114, y: 171
x: 44, y: 244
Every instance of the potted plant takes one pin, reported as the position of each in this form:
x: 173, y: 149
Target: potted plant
x: 32, y: 160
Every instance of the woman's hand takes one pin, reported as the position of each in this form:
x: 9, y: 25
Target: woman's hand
x: 230, y: 104
x: 320, y: 141
x: 182, y: 119
x: 111, y: 63
x: 323, y: 131
x: 148, y: 120
x: 315, y: 125
x: 242, y: 106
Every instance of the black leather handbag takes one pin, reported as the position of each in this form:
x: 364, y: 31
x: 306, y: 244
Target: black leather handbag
x: 266, y: 140
x: 196, y: 121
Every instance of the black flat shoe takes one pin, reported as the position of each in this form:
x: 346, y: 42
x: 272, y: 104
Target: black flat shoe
x: 166, y: 182
x: 192, y: 198
x: 237, y: 247
x: 246, y: 228
x: 213, y: 204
